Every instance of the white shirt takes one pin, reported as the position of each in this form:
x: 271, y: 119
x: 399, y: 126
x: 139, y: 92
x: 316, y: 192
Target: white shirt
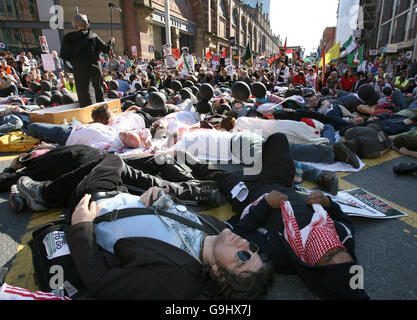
x: 207, y: 144
x: 128, y: 121
x: 311, y: 80
x: 96, y: 135
x: 176, y: 121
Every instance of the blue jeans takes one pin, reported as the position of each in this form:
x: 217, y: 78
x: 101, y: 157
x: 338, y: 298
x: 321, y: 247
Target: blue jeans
x: 310, y: 173
x: 49, y: 132
x: 9, y: 123
x: 312, y: 153
x: 399, y: 100
x: 329, y: 133
x: 413, y: 105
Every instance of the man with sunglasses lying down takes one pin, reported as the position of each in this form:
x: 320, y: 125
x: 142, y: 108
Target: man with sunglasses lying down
x: 168, y: 253
x: 305, y: 235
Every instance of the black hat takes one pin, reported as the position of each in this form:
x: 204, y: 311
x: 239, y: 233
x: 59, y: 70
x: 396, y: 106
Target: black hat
x: 387, y: 91
x: 308, y: 93
x: 138, y: 86
x: 113, y: 85
x: 47, y: 93
x: 188, y: 84
x: 57, y: 98
x: 368, y: 94
x: 241, y: 91
x: 140, y: 101
x: 68, y: 98
x: 46, y: 85
x: 325, y: 91
x: 204, y: 106
x: 206, y: 91
x: 185, y: 94
x: 176, y: 85
x: 113, y: 95
x: 194, y: 89
x: 43, y: 100
x: 153, y: 89
x: 157, y: 100
x: 127, y: 105
x: 258, y: 90
x: 34, y: 86
x: 224, y: 107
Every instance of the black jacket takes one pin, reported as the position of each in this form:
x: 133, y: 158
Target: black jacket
x: 83, y: 48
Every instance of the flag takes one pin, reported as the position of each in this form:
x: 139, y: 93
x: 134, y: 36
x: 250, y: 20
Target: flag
x: 333, y: 54
x: 224, y: 53
x: 262, y: 56
x: 323, y: 71
x: 248, y: 56
x: 176, y: 53
x: 351, y: 45
x: 355, y: 59
x: 271, y: 61
x: 208, y: 55
x: 381, y: 58
x: 285, y: 46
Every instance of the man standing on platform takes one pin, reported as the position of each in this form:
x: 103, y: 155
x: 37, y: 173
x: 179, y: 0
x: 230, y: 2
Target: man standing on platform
x: 81, y: 51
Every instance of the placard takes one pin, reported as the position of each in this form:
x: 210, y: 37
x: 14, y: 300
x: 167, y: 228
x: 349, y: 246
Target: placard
x: 215, y: 61
x: 167, y: 49
x: 44, y: 44
x: 134, y: 51
x: 48, y: 62
x: 170, y: 62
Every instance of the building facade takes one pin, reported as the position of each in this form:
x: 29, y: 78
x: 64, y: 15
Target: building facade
x: 329, y: 38
x: 379, y: 23
x: 201, y: 25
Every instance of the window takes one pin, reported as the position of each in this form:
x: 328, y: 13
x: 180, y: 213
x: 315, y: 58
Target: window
x: 223, y: 8
x: 234, y: 16
x: 402, y: 5
x: 413, y: 27
x: 399, y: 33
x: 388, y: 10
x: 384, y: 35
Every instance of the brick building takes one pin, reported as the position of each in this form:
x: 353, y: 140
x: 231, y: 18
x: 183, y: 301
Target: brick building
x: 329, y: 38
x: 201, y: 25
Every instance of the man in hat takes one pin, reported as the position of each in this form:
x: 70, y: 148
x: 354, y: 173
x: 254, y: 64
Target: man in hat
x: 81, y: 49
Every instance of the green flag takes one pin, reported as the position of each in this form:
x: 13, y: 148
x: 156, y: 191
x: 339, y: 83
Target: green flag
x: 248, y: 56
x: 355, y: 59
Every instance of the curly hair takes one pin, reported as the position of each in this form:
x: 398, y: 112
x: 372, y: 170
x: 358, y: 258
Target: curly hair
x: 244, y: 286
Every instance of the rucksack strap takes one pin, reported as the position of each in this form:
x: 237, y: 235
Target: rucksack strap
x: 132, y: 212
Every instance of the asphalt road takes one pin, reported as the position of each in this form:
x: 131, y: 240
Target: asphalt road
x: 386, y: 249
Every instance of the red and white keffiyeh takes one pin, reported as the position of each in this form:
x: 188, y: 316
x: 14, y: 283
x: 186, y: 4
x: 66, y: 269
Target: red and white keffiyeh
x: 8, y: 292
x: 311, y: 243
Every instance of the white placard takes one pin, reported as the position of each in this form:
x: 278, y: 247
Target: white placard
x: 48, y: 62
x: 170, y: 62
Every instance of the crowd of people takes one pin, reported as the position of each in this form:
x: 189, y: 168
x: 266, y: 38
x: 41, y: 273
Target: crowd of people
x: 129, y: 179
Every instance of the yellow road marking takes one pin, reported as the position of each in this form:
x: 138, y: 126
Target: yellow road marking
x: 21, y: 272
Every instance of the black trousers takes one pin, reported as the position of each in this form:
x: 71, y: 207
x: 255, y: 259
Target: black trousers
x: 88, y: 80
x: 277, y: 168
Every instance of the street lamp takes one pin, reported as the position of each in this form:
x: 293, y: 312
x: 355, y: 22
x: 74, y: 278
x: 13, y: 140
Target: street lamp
x: 112, y: 6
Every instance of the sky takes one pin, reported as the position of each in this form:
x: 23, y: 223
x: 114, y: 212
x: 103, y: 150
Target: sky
x: 303, y: 21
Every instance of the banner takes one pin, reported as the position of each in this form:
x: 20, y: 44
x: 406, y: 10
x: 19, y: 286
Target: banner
x: 355, y: 59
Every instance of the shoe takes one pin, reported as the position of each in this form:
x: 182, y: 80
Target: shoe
x: 210, y: 198
x: 405, y: 168
x: 31, y: 191
x: 16, y: 201
x: 329, y: 181
x: 344, y: 154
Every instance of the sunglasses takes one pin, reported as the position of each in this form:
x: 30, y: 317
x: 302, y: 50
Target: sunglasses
x: 244, y: 256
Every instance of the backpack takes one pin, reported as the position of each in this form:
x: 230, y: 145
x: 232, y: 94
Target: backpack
x: 51, y: 259
x: 17, y: 141
x: 369, y: 141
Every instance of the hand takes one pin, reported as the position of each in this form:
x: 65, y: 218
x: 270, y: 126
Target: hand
x: 275, y: 199
x: 317, y: 197
x: 83, y: 212
x: 151, y: 195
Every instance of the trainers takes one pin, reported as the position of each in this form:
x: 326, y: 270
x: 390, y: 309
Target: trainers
x: 405, y: 168
x: 343, y: 154
x: 210, y: 198
x: 16, y: 201
x: 31, y: 191
x: 329, y: 181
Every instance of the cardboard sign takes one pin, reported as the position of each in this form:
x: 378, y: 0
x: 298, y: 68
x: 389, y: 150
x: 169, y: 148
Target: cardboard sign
x: 44, y: 44
x: 134, y: 51
x: 170, y: 62
x: 215, y: 61
x: 166, y: 49
x: 48, y: 62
